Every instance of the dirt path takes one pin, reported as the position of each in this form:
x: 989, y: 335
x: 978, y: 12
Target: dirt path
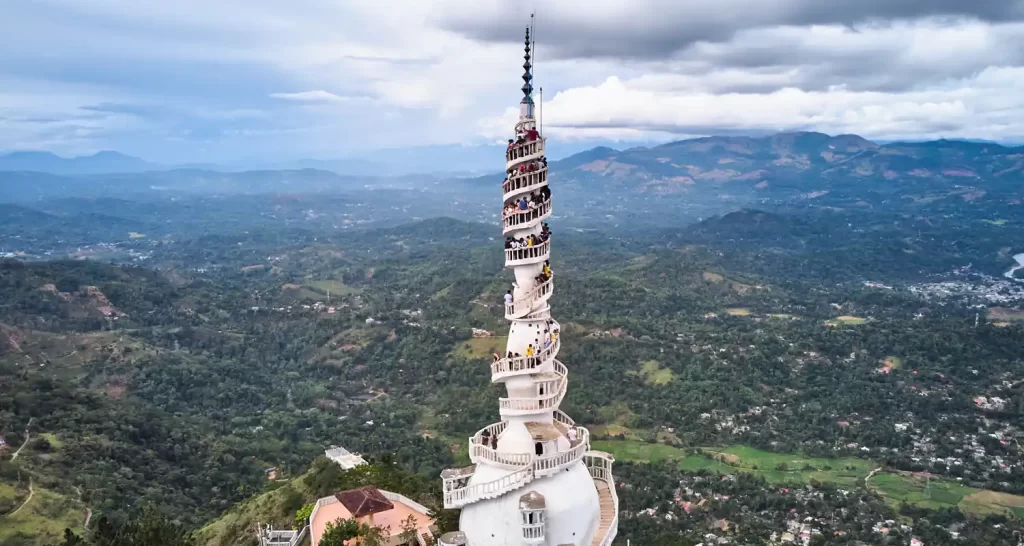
x: 88, y: 511
x: 25, y: 443
x: 30, y: 493
x: 870, y: 474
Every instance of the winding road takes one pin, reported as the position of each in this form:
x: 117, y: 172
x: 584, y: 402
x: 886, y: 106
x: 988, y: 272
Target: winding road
x: 30, y: 493
x: 25, y: 443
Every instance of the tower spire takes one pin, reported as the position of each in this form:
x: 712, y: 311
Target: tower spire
x: 527, y: 88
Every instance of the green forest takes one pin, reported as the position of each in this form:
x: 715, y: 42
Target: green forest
x: 157, y: 397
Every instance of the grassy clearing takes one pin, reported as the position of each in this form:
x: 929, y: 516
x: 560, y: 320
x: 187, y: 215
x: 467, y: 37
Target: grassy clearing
x: 626, y: 450
x: 42, y: 521
x: 895, y: 488
x: 481, y: 347
x: 55, y: 443
x: 654, y: 374
x: 1005, y: 314
x: 331, y: 286
x: 991, y: 502
x: 906, y: 488
x: 846, y: 320
x: 738, y: 312
x: 712, y: 277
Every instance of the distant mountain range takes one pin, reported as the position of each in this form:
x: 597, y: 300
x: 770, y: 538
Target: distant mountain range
x: 761, y: 162
x: 102, y: 162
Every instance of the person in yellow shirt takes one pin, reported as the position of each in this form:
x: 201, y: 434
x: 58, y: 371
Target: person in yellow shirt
x: 529, y: 350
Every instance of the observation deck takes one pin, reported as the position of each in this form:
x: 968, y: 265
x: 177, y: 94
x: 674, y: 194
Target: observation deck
x: 528, y: 255
x: 523, y: 182
x: 523, y: 152
x: 526, y: 219
x: 524, y: 365
x: 525, y: 467
x: 550, y: 387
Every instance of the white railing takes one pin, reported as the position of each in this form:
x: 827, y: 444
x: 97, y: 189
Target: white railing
x: 527, y: 150
x: 523, y: 181
x: 316, y: 508
x: 457, y: 497
x: 479, y: 449
x: 540, y: 403
x: 523, y: 305
x: 524, y: 364
x: 561, y: 417
x: 522, y: 219
x: 537, y: 252
x: 533, y: 532
x: 458, y: 494
x: 545, y: 466
x: 599, y: 464
x: 406, y: 501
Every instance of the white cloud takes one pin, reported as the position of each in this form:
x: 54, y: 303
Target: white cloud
x: 318, y: 95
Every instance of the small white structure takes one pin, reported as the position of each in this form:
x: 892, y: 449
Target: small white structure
x: 268, y: 536
x: 534, y: 480
x: 344, y: 458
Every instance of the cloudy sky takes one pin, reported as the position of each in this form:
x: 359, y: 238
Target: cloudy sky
x: 229, y: 80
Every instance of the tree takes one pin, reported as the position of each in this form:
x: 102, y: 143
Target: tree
x: 302, y: 514
x: 338, y: 532
x: 409, y: 529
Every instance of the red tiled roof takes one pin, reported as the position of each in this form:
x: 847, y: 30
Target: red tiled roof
x: 363, y: 501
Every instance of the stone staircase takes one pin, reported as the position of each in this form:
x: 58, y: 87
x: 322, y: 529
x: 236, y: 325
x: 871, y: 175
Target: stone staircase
x: 608, y: 508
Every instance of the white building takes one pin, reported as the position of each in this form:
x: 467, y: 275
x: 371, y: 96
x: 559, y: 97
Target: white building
x: 344, y: 458
x: 534, y: 480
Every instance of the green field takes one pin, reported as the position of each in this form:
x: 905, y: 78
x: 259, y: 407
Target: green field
x: 42, y: 520
x: 654, y: 374
x: 895, y: 488
x: 332, y: 287
x: 481, y: 347
x: 846, y: 320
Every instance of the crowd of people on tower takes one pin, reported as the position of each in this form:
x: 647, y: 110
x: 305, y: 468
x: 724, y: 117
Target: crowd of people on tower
x: 535, y: 352
x: 512, y: 243
x: 527, y: 203
x: 523, y: 135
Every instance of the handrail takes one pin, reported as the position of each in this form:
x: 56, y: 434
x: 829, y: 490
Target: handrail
x: 527, y: 364
x: 561, y: 417
x: 534, y: 467
x: 524, y: 180
x: 524, y: 304
x: 546, y: 402
x: 520, y: 217
x: 527, y: 252
x: 523, y: 149
x: 599, y: 464
x: 457, y: 498
x: 544, y: 466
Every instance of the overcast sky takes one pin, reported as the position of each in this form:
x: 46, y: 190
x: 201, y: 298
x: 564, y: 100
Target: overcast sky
x: 224, y: 80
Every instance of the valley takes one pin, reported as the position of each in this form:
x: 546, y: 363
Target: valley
x: 771, y: 334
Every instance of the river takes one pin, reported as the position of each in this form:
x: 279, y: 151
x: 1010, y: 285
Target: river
x: 1020, y: 265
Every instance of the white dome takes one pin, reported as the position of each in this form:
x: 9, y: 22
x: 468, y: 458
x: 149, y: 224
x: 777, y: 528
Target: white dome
x: 571, y: 513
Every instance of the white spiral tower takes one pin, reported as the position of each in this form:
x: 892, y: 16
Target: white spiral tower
x: 534, y: 480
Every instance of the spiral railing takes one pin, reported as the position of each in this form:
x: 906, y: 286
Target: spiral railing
x: 557, y: 383
x: 520, y: 365
x: 525, y: 219
x: 524, y: 305
x: 458, y: 492
x: 522, y: 182
x: 523, y: 152
x: 528, y: 254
